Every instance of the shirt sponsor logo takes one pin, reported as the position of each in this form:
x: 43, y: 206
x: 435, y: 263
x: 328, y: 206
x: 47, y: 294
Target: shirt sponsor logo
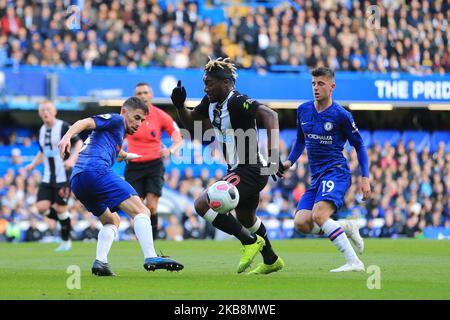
x: 322, y: 139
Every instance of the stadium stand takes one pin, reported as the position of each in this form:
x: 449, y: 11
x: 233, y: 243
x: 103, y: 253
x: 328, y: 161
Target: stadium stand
x: 261, y: 35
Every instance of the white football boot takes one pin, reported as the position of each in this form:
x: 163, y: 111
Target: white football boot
x: 64, y: 246
x: 354, y: 266
x: 351, y: 228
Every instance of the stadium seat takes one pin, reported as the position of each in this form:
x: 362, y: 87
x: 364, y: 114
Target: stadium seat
x: 421, y: 139
x: 383, y: 136
x: 437, y: 137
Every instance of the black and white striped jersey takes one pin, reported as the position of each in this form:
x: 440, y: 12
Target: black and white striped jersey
x: 234, y: 123
x: 54, y: 170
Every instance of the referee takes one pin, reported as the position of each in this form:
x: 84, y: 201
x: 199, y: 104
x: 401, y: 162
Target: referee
x: 146, y: 174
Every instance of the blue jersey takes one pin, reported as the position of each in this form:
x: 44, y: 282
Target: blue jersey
x: 101, y: 148
x: 324, y: 134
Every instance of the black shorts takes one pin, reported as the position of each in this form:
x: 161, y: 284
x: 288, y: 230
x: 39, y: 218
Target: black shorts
x: 146, y: 177
x: 58, y: 193
x: 249, y: 182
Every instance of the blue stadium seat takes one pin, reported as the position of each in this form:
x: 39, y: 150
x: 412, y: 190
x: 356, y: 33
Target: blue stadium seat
x: 437, y: 137
x: 367, y: 137
x: 383, y: 136
x: 421, y: 139
x: 5, y: 150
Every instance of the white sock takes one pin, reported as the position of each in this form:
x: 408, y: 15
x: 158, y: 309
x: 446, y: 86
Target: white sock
x: 343, y: 223
x: 336, y: 234
x: 144, y: 234
x: 106, y: 238
x: 256, y: 226
x: 210, y: 215
x: 64, y: 215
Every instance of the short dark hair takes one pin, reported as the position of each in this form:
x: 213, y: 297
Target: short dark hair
x: 135, y: 103
x: 323, y: 71
x: 142, y: 84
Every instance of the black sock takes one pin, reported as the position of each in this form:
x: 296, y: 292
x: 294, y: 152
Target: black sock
x: 53, y: 214
x: 65, y: 229
x: 267, y: 252
x: 230, y: 225
x: 154, y: 221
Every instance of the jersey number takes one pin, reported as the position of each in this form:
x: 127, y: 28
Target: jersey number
x: 327, y: 186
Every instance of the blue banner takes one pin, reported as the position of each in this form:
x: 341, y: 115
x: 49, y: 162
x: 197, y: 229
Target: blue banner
x: 106, y: 83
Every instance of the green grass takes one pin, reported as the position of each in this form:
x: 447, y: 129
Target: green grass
x: 410, y: 269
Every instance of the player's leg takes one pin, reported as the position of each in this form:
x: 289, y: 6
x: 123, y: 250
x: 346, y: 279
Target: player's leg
x: 106, y: 236
x: 154, y: 182
x: 61, y: 197
x: 351, y: 228
x: 140, y: 214
x: 304, y: 223
x: 224, y: 222
x: 152, y: 204
x: 45, y: 198
x: 271, y: 261
x: 135, y: 208
x: 321, y: 214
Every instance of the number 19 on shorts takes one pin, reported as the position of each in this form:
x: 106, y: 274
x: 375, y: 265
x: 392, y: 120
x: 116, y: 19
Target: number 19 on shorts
x: 327, y: 186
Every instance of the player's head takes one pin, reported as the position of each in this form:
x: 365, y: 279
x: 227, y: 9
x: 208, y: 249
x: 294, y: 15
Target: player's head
x: 144, y: 92
x: 219, y: 78
x: 322, y: 83
x: 47, y: 112
x: 134, y: 112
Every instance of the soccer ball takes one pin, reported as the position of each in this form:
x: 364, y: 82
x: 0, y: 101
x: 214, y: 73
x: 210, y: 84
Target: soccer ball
x: 222, y: 197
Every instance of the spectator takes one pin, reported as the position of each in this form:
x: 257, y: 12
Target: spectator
x: 389, y: 230
x: 174, y: 229
x: 91, y: 232
x: 369, y: 231
x: 12, y: 230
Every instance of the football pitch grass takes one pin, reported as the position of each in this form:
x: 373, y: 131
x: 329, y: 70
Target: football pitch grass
x: 409, y: 269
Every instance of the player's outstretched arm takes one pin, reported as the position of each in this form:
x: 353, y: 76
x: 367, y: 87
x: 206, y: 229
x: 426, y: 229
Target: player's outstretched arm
x: 269, y: 120
x: 186, y: 116
x: 355, y: 139
x: 79, y: 126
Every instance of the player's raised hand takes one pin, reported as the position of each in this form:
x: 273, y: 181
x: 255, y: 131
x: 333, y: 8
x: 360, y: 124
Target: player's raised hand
x: 64, y: 148
x: 365, y: 188
x: 178, y: 95
x: 282, y: 167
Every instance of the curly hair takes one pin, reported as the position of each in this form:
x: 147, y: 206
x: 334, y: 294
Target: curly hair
x: 222, y: 64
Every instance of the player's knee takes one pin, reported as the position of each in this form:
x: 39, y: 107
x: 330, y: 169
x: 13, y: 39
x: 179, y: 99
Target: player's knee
x: 201, y: 206
x: 300, y: 223
x: 42, y: 207
x: 152, y: 208
x: 116, y: 220
x: 319, y: 217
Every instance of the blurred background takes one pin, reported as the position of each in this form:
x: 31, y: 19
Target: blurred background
x: 392, y: 63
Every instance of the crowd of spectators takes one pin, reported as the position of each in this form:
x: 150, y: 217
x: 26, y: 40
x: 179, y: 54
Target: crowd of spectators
x: 378, y: 36
x: 410, y: 191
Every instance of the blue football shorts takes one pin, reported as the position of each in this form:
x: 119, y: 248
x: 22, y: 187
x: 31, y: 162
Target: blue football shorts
x: 99, y: 191
x: 330, y: 186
